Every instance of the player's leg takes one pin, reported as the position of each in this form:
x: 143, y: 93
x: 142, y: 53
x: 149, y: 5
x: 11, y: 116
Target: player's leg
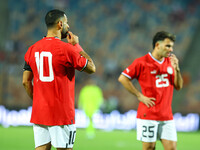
x: 44, y: 147
x: 147, y: 133
x: 168, y: 145
x: 168, y: 135
x: 148, y: 145
x: 63, y: 137
x: 41, y: 137
x: 90, y: 130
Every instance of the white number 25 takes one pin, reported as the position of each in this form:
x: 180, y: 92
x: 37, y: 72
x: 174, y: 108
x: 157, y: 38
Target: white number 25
x: 162, y: 80
x: 40, y: 63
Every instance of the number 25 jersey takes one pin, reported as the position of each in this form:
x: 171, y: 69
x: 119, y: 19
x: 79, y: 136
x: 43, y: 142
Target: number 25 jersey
x: 53, y: 63
x: 156, y: 79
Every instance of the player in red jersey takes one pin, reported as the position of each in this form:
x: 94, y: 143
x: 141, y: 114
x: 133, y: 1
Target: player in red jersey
x: 51, y: 64
x: 157, y: 73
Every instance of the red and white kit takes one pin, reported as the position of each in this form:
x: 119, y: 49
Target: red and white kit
x: 156, y: 79
x: 53, y: 64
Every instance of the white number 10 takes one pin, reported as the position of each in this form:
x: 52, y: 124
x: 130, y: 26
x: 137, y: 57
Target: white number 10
x: 39, y: 62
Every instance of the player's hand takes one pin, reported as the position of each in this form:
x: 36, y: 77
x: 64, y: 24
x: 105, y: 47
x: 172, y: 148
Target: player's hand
x: 174, y: 62
x: 148, y: 101
x: 72, y: 38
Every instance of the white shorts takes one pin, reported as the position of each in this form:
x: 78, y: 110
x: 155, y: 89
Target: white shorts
x: 152, y: 130
x: 59, y: 136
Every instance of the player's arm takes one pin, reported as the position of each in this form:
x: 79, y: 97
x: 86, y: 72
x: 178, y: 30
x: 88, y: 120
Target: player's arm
x: 90, y: 68
x: 178, y: 80
x: 126, y: 82
x: 27, y: 82
x: 73, y: 39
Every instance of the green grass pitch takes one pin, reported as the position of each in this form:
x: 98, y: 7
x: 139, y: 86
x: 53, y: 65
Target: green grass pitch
x: 21, y: 138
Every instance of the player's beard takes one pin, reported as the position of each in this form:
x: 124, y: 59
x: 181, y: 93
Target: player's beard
x: 64, y: 33
x: 167, y: 54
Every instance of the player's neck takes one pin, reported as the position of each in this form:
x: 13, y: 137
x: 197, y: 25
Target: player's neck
x: 157, y: 56
x: 53, y: 33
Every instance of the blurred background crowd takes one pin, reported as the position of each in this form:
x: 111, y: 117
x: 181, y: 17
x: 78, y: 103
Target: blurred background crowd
x: 113, y: 33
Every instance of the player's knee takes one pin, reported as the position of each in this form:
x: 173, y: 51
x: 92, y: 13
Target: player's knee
x: 149, y: 146
x: 172, y: 147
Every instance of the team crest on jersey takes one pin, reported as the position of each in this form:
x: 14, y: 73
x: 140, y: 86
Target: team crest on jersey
x: 169, y: 70
x: 153, y: 72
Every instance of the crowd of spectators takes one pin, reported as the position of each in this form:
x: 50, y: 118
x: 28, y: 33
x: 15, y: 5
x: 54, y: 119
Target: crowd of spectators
x: 113, y: 32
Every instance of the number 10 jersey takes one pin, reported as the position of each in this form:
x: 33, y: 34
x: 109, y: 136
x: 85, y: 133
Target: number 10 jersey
x: 53, y: 64
x: 156, y: 79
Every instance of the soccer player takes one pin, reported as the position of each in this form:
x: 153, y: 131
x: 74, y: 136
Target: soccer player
x: 157, y: 73
x: 51, y: 64
x: 90, y: 100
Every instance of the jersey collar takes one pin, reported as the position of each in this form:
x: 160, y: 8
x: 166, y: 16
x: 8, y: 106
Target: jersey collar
x: 160, y: 62
x: 51, y: 37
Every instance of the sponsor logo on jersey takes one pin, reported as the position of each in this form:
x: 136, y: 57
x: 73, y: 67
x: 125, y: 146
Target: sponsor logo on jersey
x: 153, y: 72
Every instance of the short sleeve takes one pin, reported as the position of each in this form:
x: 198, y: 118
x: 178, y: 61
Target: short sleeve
x: 74, y: 58
x: 27, y: 67
x: 132, y: 71
x: 27, y: 55
x: 78, y: 47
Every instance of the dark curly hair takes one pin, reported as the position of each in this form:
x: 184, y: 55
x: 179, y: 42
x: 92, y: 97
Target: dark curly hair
x: 52, y: 17
x: 161, y: 36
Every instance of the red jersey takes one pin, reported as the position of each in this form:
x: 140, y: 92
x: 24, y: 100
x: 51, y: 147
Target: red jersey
x: 53, y: 64
x: 156, y: 80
